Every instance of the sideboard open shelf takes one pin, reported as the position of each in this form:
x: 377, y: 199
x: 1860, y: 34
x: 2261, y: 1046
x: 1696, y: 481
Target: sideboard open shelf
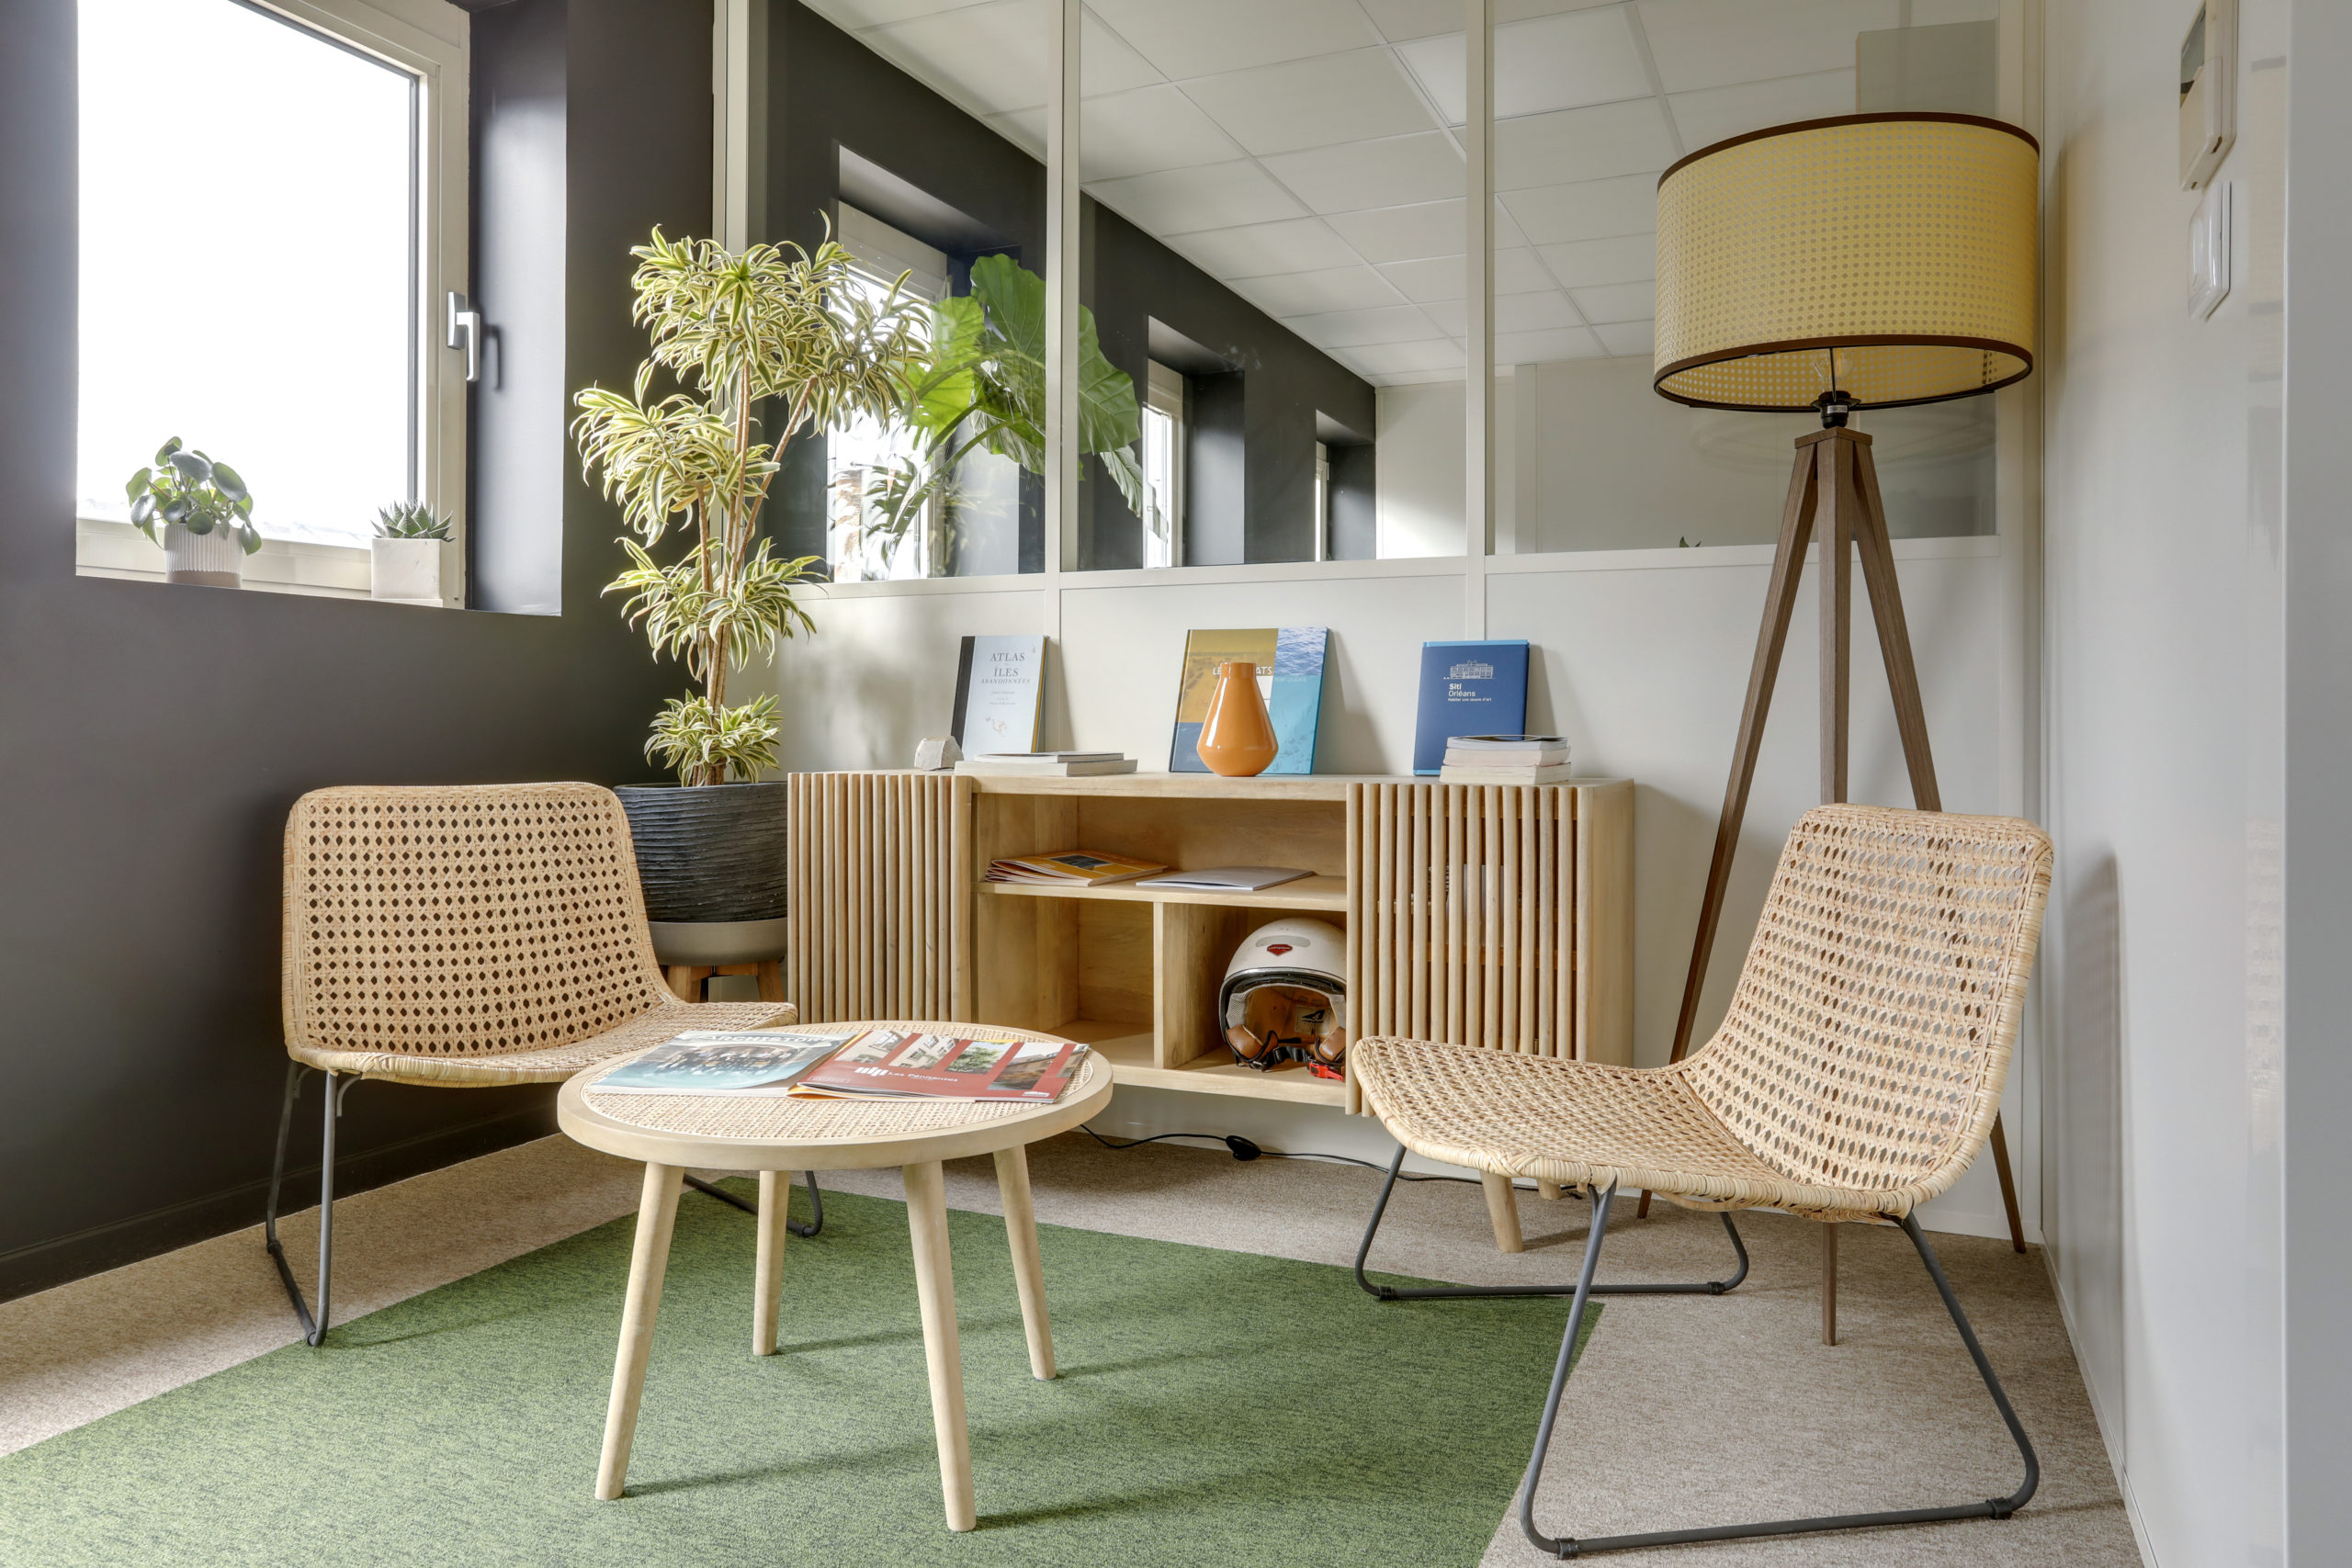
x: 1524, y: 945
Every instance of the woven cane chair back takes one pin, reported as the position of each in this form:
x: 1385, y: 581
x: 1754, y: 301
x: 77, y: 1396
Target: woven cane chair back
x: 1871, y: 1030
x: 467, y: 921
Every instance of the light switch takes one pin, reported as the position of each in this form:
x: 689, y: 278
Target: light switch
x: 2208, y: 252
x: 2209, y: 121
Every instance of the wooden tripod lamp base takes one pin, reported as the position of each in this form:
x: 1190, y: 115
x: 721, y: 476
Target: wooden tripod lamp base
x: 1834, y: 496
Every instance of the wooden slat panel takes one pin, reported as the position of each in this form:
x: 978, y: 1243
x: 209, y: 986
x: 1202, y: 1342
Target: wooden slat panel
x: 873, y: 932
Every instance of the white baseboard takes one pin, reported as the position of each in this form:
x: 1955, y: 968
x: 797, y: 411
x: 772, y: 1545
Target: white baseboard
x: 2107, y: 1428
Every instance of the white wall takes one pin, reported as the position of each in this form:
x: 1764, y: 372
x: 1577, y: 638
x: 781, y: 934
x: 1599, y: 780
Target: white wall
x: 1644, y: 659
x: 2160, y: 966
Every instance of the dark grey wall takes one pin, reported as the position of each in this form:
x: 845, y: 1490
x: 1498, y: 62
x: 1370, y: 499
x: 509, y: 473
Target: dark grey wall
x: 152, y: 737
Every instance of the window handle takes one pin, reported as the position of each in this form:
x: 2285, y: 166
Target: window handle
x: 469, y: 322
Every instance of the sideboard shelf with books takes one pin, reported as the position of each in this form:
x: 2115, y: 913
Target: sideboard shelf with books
x: 1525, y: 944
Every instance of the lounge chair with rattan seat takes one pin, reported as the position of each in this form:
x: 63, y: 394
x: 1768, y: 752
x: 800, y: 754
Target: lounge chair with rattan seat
x: 463, y: 937
x: 1855, y: 1077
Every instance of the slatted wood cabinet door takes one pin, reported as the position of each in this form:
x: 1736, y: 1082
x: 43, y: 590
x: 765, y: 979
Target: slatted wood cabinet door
x: 874, y: 871
x: 1494, y: 915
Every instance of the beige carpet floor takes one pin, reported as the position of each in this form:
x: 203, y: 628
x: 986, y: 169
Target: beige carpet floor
x: 1683, y: 1411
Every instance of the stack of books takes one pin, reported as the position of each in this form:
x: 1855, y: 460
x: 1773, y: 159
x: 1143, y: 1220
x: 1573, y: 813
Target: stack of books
x: 1071, y: 868
x: 1506, y: 759
x: 1048, y: 764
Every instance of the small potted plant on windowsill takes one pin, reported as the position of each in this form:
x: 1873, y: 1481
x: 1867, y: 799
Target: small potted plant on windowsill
x: 206, y: 515
x: 412, y: 559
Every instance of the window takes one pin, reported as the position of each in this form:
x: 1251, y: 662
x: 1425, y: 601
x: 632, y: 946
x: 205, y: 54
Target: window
x: 1322, y: 502
x: 869, y: 536
x: 1163, y: 466
x: 272, y: 209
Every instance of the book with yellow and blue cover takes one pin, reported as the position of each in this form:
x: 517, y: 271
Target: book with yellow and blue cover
x: 1290, y: 677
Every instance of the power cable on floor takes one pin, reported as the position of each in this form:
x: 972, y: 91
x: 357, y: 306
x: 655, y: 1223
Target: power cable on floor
x: 1243, y: 1149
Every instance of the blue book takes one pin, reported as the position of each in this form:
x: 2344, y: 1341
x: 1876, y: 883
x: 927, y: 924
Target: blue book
x: 1468, y: 688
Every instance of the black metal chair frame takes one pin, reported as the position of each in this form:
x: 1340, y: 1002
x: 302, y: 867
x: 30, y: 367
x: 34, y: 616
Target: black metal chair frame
x: 315, y: 1329
x: 1584, y: 1289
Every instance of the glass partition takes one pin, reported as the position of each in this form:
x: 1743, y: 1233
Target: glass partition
x: 1593, y: 105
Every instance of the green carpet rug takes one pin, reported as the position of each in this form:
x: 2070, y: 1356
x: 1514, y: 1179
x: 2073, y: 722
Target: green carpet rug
x: 1213, y: 1407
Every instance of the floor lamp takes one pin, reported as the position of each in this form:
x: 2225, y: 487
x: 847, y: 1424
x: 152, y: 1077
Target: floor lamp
x: 1867, y: 262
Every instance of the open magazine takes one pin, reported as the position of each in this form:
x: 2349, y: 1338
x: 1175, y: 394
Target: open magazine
x: 1073, y: 868
x: 890, y: 1064
x: 746, y: 1062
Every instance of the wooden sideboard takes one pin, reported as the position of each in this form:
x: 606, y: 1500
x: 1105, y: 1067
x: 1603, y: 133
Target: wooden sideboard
x: 1493, y: 915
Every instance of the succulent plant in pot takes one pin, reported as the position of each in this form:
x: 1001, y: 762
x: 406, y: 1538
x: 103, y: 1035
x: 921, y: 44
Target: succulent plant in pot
x: 413, y: 560
x: 205, y: 512
x: 764, y: 344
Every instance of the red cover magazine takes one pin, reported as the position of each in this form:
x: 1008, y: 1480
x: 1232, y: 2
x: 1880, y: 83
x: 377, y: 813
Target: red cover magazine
x: 895, y: 1063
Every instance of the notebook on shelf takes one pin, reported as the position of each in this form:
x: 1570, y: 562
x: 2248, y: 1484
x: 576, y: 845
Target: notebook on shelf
x: 1226, y: 878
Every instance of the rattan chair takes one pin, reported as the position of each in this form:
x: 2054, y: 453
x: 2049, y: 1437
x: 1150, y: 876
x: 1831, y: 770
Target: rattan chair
x: 463, y: 938
x: 1855, y: 1078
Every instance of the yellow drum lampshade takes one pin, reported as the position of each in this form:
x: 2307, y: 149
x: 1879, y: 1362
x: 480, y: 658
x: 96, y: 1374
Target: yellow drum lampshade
x: 1889, y: 258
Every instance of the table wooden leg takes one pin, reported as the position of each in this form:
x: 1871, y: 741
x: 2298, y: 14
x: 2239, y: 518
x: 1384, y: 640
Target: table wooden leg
x: 1028, y: 1269
x: 768, y: 1267
x: 935, y: 1286
x: 1502, y: 1209
x: 1548, y: 1190
x: 657, y: 1216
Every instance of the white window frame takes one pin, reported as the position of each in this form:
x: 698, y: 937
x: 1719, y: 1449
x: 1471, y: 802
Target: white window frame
x: 1163, y: 393
x: 429, y: 40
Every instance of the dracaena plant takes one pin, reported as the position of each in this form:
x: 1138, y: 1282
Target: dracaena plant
x: 774, y: 328
x: 186, y: 487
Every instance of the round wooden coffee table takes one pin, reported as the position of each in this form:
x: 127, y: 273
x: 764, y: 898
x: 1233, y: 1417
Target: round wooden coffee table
x: 778, y: 1138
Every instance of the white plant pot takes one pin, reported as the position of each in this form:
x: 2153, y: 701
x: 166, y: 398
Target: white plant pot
x: 209, y: 560
x: 415, y: 572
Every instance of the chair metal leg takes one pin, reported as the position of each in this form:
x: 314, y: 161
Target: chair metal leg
x: 1993, y: 1508
x: 314, y: 1330
x: 1417, y: 1293
x: 816, y: 1204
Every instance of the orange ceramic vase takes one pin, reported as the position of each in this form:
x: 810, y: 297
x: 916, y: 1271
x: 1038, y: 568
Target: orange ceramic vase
x: 1238, y: 741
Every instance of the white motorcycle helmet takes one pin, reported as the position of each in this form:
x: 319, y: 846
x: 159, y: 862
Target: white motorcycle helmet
x: 1286, y: 996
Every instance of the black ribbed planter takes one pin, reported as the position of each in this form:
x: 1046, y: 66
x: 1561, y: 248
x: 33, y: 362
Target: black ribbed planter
x: 708, y: 852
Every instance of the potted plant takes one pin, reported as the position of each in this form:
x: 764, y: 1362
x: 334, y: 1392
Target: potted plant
x: 412, y: 559
x: 772, y: 329
x: 206, y: 515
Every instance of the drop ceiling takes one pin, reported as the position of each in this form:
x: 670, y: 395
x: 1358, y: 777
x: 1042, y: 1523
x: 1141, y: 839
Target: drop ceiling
x: 1308, y: 152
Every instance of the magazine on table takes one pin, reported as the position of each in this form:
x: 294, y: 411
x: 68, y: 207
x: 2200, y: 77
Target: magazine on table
x: 894, y: 1063
x: 749, y: 1062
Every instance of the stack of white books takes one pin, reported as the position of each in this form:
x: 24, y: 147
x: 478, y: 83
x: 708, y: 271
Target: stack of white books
x: 1048, y: 764
x: 1506, y: 759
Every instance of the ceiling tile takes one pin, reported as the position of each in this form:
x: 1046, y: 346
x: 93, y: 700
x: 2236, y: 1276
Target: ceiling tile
x: 1348, y: 329
x: 1553, y: 63
x: 1313, y: 103
x: 1258, y: 250
x: 1404, y: 233
x: 1629, y: 338
x: 1310, y: 293
x: 1617, y: 302
x: 1398, y: 171
x: 1136, y: 132
x: 1712, y: 43
x: 1214, y: 195
x: 1402, y: 19
x: 1441, y: 277
x: 1547, y: 347
x: 1629, y: 258
x: 1590, y: 209
x: 1582, y: 144
x: 1402, y: 358
x: 1201, y: 38
x: 856, y: 15
x: 1513, y: 314
x: 991, y: 57
x: 1717, y: 114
